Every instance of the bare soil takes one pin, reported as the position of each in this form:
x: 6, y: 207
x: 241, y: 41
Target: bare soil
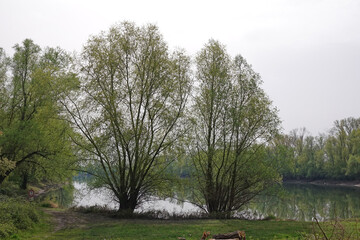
x: 64, y: 219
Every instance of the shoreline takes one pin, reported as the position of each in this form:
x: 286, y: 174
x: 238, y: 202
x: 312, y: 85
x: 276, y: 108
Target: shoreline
x: 330, y: 183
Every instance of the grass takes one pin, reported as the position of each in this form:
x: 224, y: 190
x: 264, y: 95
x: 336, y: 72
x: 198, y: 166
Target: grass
x: 336, y: 229
x: 171, y: 229
x: 143, y: 229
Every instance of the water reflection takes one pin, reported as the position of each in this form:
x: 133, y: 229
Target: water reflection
x: 85, y: 197
x: 304, y: 201
x: 299, y: 202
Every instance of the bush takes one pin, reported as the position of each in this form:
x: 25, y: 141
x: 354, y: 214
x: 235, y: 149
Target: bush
x: 6, y: 229
x: 16, y: 214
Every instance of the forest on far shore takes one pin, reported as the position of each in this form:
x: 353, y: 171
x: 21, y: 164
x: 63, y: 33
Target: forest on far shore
x: 301, y: 156
x: 335, y: 155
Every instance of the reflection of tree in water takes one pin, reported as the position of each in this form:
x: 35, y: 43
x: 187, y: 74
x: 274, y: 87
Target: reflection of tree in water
x: 303, y: 202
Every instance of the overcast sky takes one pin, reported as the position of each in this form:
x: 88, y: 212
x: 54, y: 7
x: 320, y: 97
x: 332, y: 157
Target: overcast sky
x: 307, y: 51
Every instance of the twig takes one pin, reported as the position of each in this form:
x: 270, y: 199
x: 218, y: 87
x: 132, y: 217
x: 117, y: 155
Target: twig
x: 317, y: 222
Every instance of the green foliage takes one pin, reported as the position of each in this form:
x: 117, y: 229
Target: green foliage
x: 16, y: 214
x: 6, y: 229
x: 130, y: 110
x: 332, y: 156
x: 6, y: 165
x: 34, y: 140
x: 233, y: 118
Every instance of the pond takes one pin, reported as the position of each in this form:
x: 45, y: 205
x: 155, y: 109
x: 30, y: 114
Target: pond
x: 297, y: 202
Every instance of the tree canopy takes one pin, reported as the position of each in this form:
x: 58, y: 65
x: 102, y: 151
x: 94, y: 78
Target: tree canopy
x: 131, y: 109
x: 34, y: 139
x: 335, y: 155
x: 233, y: 119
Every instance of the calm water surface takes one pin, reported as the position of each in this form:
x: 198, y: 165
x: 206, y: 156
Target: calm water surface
x: 297, y: 202
x: 304, y: 201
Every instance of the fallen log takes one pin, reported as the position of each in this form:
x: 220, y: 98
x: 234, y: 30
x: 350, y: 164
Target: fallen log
x: 233, y: 235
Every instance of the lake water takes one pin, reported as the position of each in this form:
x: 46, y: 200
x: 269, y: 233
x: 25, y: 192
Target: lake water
x: 298, y: 202
x: 304, y: 201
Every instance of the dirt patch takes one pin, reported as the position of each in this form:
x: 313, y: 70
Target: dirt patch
x: 63, y: 219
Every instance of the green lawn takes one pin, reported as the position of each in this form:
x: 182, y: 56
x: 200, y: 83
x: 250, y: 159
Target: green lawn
x: 189, y: 229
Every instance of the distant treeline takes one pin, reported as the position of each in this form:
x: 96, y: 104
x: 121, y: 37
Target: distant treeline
x: 335, y: 155
x: 301, y: 156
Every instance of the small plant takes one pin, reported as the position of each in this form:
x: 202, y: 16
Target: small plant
x: 335, y: 230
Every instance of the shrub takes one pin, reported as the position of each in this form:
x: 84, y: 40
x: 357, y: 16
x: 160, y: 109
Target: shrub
x: 16, y: 214
x: 6, y: 229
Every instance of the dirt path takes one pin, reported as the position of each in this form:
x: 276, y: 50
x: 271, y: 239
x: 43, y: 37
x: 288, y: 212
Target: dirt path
x: 63, y: 219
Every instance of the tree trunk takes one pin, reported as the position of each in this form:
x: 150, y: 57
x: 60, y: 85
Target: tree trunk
x: 127, y: 206
x: 2, y: 178
x: 25, y: 178
x: 6, y: 174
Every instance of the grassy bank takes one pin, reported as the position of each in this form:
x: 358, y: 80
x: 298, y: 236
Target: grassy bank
x: 126, y: 229
x: 67, y: 224
x: 135, y: 229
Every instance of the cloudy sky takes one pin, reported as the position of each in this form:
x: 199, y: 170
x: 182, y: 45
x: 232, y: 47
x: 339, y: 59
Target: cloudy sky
x: 307, y: 51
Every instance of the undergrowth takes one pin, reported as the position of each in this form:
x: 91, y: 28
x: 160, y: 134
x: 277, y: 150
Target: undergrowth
x: 16, y: 214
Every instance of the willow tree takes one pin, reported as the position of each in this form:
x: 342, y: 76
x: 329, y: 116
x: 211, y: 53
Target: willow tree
x: 130, y: 111
x: 33, y: 139
x: 234, y: 118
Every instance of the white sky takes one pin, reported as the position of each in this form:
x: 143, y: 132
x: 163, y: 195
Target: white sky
x: 307, y: 51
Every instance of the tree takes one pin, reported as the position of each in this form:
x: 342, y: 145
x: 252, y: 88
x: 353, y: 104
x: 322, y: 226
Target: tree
x: 233, y: 120
x: 280, y: 150
x: 131, y: 110
x: 342, y: 149
x: 34, y: 137
x: 334, y: 155
x: 5, y: 164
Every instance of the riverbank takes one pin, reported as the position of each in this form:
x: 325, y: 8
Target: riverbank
x: 68, y: 224
x: 332, y: 183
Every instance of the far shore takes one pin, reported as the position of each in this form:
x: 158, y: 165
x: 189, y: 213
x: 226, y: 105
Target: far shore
x: 337, y: 183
